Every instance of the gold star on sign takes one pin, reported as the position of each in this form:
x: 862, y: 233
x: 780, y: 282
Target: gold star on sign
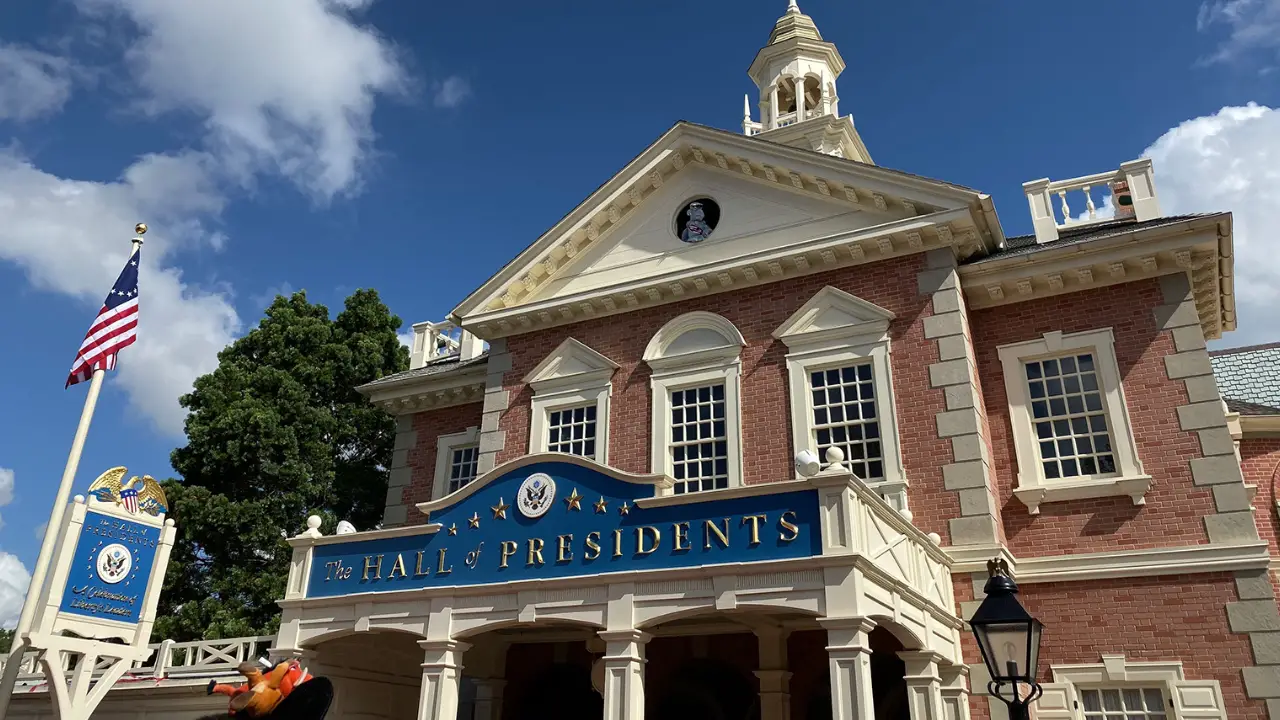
x: 453, y: 529
x: 601, y: 504
x: 474, y: 521
x: 625, y: 509
x: 500, y: 510
x: 574, y: 501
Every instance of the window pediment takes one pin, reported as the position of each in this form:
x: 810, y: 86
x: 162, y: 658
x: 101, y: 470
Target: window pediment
x: 694, y: 338
x: 833, y: 315
x: 572, y: 363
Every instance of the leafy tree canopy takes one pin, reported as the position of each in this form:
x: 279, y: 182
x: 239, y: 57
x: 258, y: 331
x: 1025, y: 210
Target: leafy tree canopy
x: 276, y: 433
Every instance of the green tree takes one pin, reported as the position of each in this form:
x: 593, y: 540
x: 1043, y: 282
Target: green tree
x: 276, y: 433
x: 6, y: 640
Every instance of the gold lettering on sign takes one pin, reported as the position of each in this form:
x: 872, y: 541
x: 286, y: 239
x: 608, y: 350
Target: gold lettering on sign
x: 788, y: 530
x: 680, y: 532
x: 507, y: 549
x: 417, y: 565
x: 593, y: 546
x: 440, y: 568
x: 755, y: 521
x: 376, y: 567
x: 617, y: 543
x: 535, y: 551
x: 563, y: 552
x: 640, y: 534
x: 710, y: 528
x: 398, y: 565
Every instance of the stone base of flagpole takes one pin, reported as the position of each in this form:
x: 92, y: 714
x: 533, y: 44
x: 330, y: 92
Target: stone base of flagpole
x: 38, y: 576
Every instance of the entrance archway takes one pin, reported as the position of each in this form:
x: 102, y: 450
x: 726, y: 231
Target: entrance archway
x: 376, y: 675
x: 706, y: 689
x: 812, y: 701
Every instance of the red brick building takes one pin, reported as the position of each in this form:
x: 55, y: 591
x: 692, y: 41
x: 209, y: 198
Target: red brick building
x: 739, y: 315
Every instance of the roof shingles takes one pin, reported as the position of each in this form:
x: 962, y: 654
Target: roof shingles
x: 1249, y: 378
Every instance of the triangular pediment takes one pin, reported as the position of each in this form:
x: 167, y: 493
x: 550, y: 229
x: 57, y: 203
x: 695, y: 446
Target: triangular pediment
x: 570, y: 362
x: 783, y: 211
x: 834, y: 315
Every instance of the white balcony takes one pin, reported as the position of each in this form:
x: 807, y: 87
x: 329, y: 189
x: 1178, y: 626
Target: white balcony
x: 434, y: 340
x: 1131, y: 189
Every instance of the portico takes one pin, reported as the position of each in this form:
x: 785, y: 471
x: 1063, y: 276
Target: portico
x: 777, y: 596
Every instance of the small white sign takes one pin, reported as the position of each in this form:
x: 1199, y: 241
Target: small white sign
x: 536, y: 495
x: 114, y: 563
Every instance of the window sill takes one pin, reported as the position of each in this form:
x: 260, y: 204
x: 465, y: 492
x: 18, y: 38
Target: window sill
x: 1134, y: 487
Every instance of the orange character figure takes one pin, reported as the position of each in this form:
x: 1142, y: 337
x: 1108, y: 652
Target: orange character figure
x: 263, y: 691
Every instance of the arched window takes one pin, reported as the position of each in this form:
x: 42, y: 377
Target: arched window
x: 695, y: 360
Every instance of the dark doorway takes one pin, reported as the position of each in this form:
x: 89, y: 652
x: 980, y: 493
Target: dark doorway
x: 561, y: 691
x: 706, y: 689
x: 888, y: 683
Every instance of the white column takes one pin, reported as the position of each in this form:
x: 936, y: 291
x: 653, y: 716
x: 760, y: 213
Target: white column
x: 799, y: 99
x: 924, y: 685
x: 441, y: 675
x: 955, y: 692
x: 488, y: 702
x: 624, y: 674
x: 775, y: 679
x: 773, y: 106
x: 849, y: 663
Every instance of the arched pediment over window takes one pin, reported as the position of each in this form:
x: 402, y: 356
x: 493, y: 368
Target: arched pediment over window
x: 692, y: 339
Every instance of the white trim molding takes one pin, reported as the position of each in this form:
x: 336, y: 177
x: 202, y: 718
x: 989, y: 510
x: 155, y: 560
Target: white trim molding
x: 1034, y: 488
x: 571, y: 376
x: 445, y: 445
x: 694, y: 350
x: 1148, y: 562
x: 836, y: 330
x: 1183, y: 699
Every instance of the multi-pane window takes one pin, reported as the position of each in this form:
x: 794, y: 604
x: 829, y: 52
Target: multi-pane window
x: 844, y: 415
x: 572, y: 431
x: 1068, y: 416
x: 463, y: 463
x: 699, y: 440
x: 1123, y: 704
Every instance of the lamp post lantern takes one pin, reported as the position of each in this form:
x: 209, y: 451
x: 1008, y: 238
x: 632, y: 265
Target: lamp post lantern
x: 1009, y: 639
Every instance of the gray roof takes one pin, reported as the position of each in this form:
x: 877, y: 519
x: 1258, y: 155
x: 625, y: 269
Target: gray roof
x: 1024, y: 244
x: 1249, y: 378
x: 439, y: 366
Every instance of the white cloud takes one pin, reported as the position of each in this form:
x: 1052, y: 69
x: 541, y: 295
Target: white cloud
x: 451, y: 92
x: 6, y: 489
x: 1228, y: 161
x: 286, y: 86
x: 406, y: 338
x: 72, y: 236
x: 32, y: 83
x: 1253, y: 26
x: 14, y: 579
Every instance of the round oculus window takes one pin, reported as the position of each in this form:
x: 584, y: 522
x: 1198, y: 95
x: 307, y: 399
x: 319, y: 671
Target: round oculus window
x: 697, y: 220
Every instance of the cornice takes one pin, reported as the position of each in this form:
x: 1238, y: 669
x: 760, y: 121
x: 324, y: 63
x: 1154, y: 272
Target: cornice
x: 1145, y: 562
x: 461, y: 386
x: 1260, y: 426
x: 1199, y: 247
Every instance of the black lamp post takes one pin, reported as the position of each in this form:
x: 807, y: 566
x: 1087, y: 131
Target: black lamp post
x: 1009, y: 639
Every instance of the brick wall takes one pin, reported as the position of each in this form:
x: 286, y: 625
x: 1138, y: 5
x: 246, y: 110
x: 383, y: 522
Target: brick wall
x: 1174, y: 506
x: 429, y: 426
x: 1260, y: 461
x: 1175, y: 617
x: 766, y: 431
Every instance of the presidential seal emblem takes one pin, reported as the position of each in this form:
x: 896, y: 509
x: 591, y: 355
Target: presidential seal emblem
x: 114, y: 563
x: 536, y: 495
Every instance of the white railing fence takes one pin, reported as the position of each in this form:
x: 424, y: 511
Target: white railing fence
x: 1061, y: 204
x: 170, y: 659
x: 434, y: 340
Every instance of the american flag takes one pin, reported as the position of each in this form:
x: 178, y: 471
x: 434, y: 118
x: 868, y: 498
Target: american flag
x: 115, y: 328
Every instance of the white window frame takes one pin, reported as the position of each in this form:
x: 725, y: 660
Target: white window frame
x: 445, y: 445
x: 696, y: 349
x: 837, y: 329
x: 573, y: 375
x: 1034, y: 488
x: 1185, y: 699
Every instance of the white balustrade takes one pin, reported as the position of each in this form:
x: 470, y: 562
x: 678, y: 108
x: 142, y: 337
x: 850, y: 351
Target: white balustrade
x: 434, y: 340
x: 1132, y: 188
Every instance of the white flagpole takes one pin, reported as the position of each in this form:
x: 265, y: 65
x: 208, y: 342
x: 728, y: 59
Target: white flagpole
x: 36, y: 588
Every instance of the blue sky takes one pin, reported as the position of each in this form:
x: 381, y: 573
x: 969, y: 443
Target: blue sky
x: 414, y: 147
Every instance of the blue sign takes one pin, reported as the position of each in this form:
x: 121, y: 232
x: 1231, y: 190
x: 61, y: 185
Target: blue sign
x: 110, y: 568
x: 557, y: 519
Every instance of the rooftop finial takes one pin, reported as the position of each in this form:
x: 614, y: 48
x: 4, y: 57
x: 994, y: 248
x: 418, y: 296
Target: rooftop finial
x: 792, y: 6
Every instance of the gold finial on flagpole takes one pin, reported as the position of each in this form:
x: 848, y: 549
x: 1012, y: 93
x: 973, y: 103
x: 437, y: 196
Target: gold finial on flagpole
x: 141, y: 229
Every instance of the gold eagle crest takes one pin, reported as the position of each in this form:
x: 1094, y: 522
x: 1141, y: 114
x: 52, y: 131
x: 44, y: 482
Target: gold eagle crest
x: 137, y: 494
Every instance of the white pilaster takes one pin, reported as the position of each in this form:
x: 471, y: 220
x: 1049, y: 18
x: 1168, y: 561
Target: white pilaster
x: 955, y: 691
x: 488, y: 702
x: 624, y: 674
x: 800, y: 99
x: 441, y: 675
x: 775, y: 679
x: 849, y: 654
x: 773, y: 107
x: 924, y: 685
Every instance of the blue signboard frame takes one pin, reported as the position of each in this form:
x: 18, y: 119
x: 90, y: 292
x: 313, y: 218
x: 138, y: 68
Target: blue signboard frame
x: 592, y: 525
x: 110, y: 569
